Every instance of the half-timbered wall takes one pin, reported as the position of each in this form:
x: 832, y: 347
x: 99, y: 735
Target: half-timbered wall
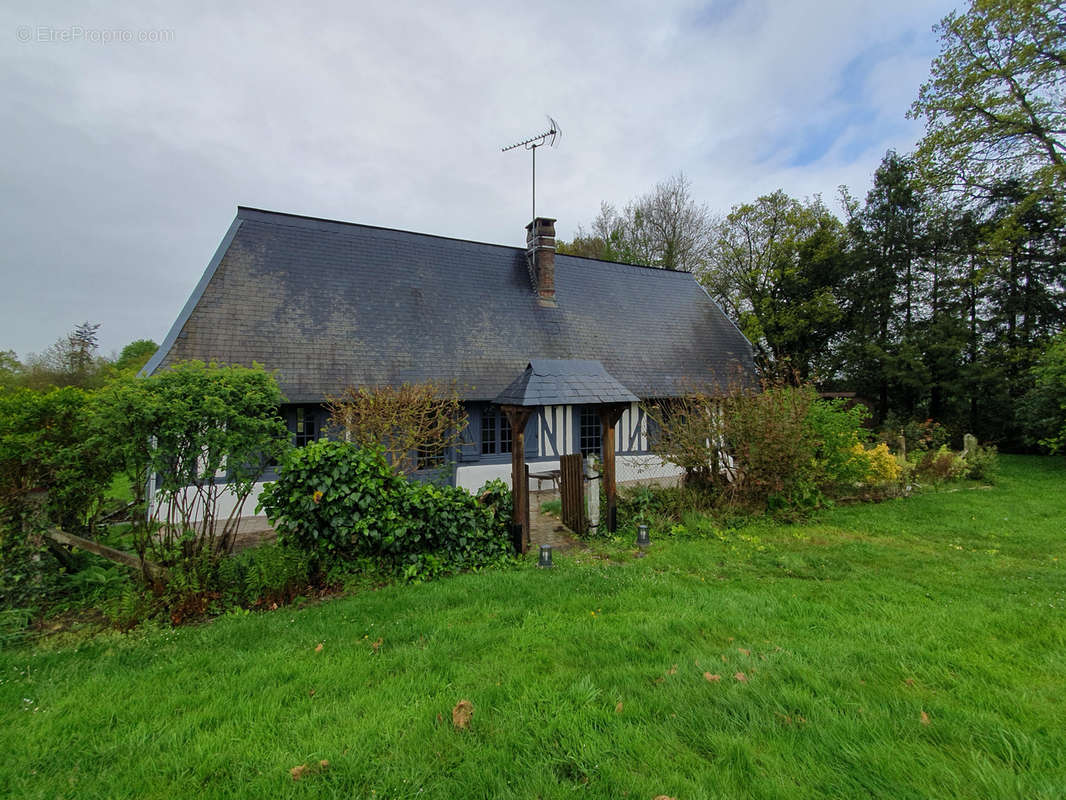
x: 552, y: 431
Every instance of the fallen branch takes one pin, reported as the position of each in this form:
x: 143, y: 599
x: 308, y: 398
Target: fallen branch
x: 150, y: 568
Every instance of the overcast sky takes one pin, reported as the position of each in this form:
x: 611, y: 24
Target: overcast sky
x: 133, y: 131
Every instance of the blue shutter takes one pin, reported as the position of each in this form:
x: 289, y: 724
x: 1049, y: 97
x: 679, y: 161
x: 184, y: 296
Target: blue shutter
x: 531, y: 435
x: 470, y: 438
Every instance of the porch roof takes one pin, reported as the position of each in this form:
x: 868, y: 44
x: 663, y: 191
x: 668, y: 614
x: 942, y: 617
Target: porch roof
x: 547, y: 382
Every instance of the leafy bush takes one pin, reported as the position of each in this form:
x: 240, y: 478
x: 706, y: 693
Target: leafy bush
x: 940, y: 466
x: 186, y: 426
x: 773, y: 448
x: 496, y: 496
x: 333, y: 499
x: 449, y: 522
x: 837, y: 431
x: 790, y: 448
x: 47, y: 460
x: 982, y: 463
x: 780, y: 448
x: 878, y: 465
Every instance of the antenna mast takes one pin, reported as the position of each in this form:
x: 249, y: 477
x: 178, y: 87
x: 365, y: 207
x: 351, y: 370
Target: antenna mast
x: 549, y: 138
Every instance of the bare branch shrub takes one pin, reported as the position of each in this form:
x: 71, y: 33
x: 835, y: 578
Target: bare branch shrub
x: 416, y: 424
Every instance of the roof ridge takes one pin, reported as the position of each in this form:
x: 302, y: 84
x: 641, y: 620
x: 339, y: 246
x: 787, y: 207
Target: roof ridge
x: 250, y: 212
x: 296, y: 219
x: 627, y: 264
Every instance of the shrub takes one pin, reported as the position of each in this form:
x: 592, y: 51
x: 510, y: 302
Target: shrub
x: 781, y: 448
x: 333, y: 499
x: 920, y: 436
x: 497, y: 497
x: 450, y: 523
x: 773, y: 449
x: 187, y: 425
x: 837, y: 432
x: 982, y: 463
x: 939, y: 466
x: 790, y: 448
x: 46, y: 460
x: 878, y: 464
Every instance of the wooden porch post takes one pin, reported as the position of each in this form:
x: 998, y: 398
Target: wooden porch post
x: 518, y: 416
x: 609, y: 416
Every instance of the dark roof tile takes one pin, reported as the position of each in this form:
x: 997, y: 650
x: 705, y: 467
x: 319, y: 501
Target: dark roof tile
x: 330, y: 304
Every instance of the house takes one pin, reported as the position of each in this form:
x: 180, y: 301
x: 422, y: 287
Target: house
x: 334, y: 304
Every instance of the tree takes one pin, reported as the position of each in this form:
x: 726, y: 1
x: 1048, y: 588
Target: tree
x: 665, y: 228
x: 1045, y: 405
x: 606, y: 241
x: 994, y: 104
x: 775, y: 266
x: 10, y: 369
x: 886, y: 242
x: 70, y: 361
x: 189, y: 426
x: 135, y: 355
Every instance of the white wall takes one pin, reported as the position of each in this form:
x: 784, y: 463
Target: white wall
x: 555, y: 422
x: 225, y: 505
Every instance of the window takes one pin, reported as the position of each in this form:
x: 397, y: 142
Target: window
x: 589, y: 430
x: 304, y: 429
x: 429, y: 458
x: 495, y: 433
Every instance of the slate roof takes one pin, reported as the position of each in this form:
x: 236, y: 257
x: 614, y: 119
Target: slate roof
x: 332, y: 304
x: 564, y: 382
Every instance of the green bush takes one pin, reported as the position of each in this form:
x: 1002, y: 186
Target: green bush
x: 940, y: 466
x: 47, y: 463
x: 450, y: 523
x: 497, y: 497
x: 982, y: 464
x: 333, y: 499
x: 836, y: 430
x: 791, y: 450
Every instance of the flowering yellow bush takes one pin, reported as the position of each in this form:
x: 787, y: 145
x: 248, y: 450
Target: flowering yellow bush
x: 880, y: 465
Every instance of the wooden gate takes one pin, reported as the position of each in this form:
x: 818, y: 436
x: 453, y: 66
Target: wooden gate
x: 572, y: 488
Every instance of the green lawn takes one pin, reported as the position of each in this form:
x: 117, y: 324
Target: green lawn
x: 911, y: 649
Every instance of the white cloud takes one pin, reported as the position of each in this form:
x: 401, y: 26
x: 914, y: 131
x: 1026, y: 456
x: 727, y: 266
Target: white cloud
x: 124, y: 162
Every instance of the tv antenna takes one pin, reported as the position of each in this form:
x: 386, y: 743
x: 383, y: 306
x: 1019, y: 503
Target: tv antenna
x: 549, y: 138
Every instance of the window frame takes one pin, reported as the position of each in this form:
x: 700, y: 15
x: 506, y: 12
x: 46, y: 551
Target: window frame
x: 583, y: 431
x: 495, y: 430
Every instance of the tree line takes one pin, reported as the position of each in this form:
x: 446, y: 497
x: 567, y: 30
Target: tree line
x: 73, y: 360
x: 940, y: 295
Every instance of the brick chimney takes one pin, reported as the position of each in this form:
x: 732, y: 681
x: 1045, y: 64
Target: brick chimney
x: 540, y: 255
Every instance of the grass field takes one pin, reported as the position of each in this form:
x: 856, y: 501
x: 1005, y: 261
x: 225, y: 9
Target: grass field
x: 911, y: 649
